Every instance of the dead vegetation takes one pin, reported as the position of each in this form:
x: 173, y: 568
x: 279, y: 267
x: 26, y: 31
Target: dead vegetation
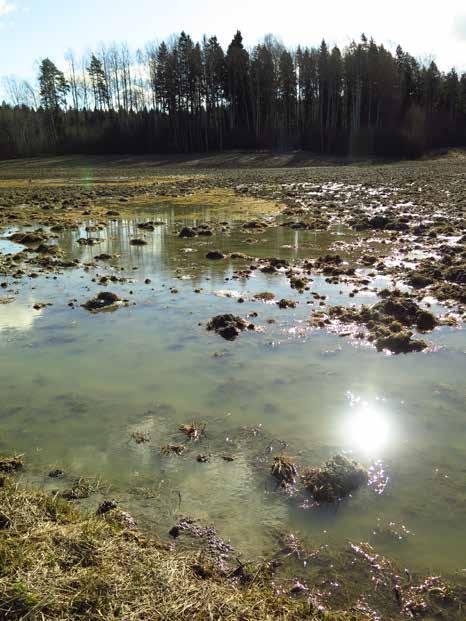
x: 335, y: 479
x: 284, y: 470
x: 173, y: 449
x: 58, y: 564
x: 193, y: 430
x: 11, y: 464
x: 140, y: 437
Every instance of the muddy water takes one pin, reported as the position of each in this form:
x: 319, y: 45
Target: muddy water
x: 75, y: 386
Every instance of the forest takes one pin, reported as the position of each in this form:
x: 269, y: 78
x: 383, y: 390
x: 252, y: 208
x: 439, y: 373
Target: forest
x: 183, y: 96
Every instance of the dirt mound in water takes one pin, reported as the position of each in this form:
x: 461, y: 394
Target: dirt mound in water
x: 386, y: 323
x: 335, y: 479
x: 215, y: 255
x: 27, y: 239
x: 228, y: 326
x: 445, y: 278
x: 105, y: 300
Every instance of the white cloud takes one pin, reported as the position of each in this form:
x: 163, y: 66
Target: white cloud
x: 6, y: 7
x: 460, y: 27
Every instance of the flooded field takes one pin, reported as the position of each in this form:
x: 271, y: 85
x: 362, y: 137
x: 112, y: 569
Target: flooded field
x: 98, y: 394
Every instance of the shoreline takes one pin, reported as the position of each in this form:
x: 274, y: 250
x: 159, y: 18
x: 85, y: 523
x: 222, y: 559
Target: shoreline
x: 58, y: 562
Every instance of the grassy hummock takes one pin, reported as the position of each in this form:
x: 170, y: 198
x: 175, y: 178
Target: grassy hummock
x: 58, y: 563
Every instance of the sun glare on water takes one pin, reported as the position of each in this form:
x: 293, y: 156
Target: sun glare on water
x: 367, y: 427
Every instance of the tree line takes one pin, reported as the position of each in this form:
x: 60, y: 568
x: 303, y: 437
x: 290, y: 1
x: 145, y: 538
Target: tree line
x: 186, y: 96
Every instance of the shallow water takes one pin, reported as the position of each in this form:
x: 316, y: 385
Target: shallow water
x: 76, y: 385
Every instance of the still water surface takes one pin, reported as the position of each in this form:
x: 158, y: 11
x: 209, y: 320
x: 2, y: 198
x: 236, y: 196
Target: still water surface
x: 74, y: 386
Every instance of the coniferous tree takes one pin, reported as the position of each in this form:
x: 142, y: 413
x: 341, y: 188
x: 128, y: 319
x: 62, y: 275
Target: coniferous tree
x: 188, y: 96
x: 99, y: 84
x: 237, y: 85
x: 53, y: 86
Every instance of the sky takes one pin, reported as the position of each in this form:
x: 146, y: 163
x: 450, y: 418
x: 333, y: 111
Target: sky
x: 34, y: 29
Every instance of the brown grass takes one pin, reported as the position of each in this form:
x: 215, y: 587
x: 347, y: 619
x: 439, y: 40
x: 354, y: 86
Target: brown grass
x: 56, y: 563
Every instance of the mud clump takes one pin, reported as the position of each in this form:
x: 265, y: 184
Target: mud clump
x: 106, y: 506
x: 333, y: 265
x: 105, y: 300
x: 27, y: 239
x: 456, y: 274
x: 146, y: 226
x: 386, y: 323
x: 425, y: 321
x: 264, y: 296
x: 254, y: 224
x: 11, y: 464
x: 140, y: 437
x: 89, y: 241
x: 45, y: 249
x: 57, y: 473
x: 204, y: 229
x: 208, y: 534
x: 445, y: 278
x: 380, y: 223
x: 192, y: 430
x: 108, y: 509
x: 228, y: 326
x: 81, y: 489
x: 284, y: 303
x: 173, y: 449
x: 186, y: 231
x: 299, y: 282
x: 215, y: 255
x: 400, y: 343
x: 401, y: 308
x: 335, y: 479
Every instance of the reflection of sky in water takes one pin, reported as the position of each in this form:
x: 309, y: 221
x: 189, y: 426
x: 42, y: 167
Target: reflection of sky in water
x: 18, y: 316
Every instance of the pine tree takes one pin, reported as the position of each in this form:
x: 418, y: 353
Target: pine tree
x: 53, y: 86
x: 237, y: 86
x: 99, y: 84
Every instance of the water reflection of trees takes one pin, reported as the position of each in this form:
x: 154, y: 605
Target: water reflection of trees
x: 163, y: 255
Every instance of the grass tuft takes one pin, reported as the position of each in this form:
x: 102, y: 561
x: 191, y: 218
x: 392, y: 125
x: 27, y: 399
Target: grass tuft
x: 59, y: 564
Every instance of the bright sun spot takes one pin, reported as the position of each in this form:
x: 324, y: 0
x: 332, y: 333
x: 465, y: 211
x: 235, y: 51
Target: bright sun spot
x: 368, y: 429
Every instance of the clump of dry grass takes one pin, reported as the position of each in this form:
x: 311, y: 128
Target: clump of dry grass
x: 11, y: 464
x: 172, y: 449
x: 56, y: 563
x: 82, y: 488
x: 192, y: 430
x: 284, y: 469
x: 335, y: 479
x: 59, y: 564
x: 140, y: 437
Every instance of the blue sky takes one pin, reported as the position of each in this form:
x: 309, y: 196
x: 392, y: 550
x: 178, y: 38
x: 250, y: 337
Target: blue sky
x: 33, y: 29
